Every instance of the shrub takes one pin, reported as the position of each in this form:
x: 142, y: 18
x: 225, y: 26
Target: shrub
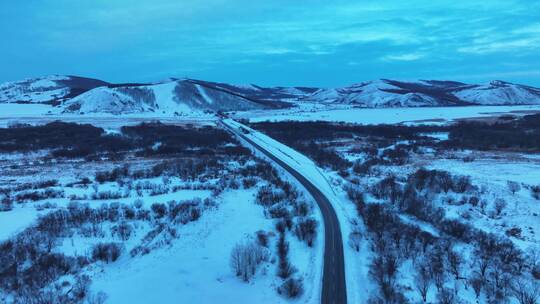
x: 262, y: 238
x: 499, y: 206
x: 513, y: 186
x: 535, y: 192
x: 291, y: 288
x: 306, y: 230
x: 106, y: 252
x: 6, y: 204
x: 249, y: 182
x: 245, y: 258
x: 355, y: 237
x: 387, y: 188
x: 535, y: 271
x: 106, y: 195
x: 285, y: 269
x: 357, y: 198
x: 437, y: 181
x: 159, y: 209
x: 123, y: 230
x: 186, y: 211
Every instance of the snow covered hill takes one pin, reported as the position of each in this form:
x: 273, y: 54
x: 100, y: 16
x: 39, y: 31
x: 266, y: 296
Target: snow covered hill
x: 80, y: 95
x: 49, y: 90
x: 274, y: 95
x: 179, y: 97
x: 499, y: 93
x: 391, y: 93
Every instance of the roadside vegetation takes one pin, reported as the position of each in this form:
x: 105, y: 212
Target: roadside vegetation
x: 428, y: 232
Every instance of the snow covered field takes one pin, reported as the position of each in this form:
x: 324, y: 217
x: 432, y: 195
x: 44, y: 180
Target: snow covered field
x: 424, y: 115
x: 36, y: 114
x: 174, y: 219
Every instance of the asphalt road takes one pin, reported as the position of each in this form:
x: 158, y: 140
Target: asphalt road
x: 334, y: 289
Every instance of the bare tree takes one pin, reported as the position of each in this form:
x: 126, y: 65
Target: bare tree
x: 500, y: 204
x: 437, y: 268
x: 245, y: 257
x: 422, y: 278
x: 513, y: 186
x: 476, y: 282
x: 446, y: 296
x: 534, y: 257
x: 526, y: 292
x: 454, y: 260
x: 383, y: 270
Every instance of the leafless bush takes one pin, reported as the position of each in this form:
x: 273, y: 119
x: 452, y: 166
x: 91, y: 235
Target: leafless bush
x: 499, y: 206
x: 535, y: 192
x: 526, y: 292
x: 123, y: 230
x: 355, y: 238
x: 106, y: 195
x: 107, y: 252
x: 447, y: 296
x: 383, y: 270
x: 422, y: 278
x: 245, y: 258
x: 306, y: 230
x: 291, y: 288
x: 513, y: 186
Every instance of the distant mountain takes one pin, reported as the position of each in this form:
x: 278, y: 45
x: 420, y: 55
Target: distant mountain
x: 48, y: 90
x: 73, y: 94
x: 274, y: 95
x: 498, y: 92
x: 391, y: 93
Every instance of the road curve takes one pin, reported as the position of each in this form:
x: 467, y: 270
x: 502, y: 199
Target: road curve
x: 334, y: 289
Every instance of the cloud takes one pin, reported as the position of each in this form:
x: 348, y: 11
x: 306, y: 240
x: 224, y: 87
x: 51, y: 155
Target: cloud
x: 348, y: 38
x: 524, y: 44
x: 403, y: 57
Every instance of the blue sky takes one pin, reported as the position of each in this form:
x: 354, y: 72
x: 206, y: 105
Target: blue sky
x: 272, y: 42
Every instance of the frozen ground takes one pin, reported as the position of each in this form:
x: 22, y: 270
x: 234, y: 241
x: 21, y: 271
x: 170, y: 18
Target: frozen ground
x: 349, y: 114
x: 195, y: 269
x: 40, y: 114
x: 15, y: 221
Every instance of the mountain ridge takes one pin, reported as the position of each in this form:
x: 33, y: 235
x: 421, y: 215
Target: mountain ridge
x: 74, y: 94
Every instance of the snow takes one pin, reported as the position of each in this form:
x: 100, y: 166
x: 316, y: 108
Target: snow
x: 437, y: 135
x: 500, y: 171
x: 388, y: 93
x: 203, y: 94
x: 34, y: 90
x: 195, y: 268
x: 42, y: 83
x: 166, y: 99
x: 104, y: 99
x: 35, y: 114
x: 247, y: 87
x: 423, y: 115
x: 497, y: 92
x: 16, y: 220
x: 15, y: 110
x: 492, y: 174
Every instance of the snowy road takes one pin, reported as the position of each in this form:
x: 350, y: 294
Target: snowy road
x: 333, y: 286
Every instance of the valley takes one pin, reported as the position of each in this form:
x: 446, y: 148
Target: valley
x: 209, y: 192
